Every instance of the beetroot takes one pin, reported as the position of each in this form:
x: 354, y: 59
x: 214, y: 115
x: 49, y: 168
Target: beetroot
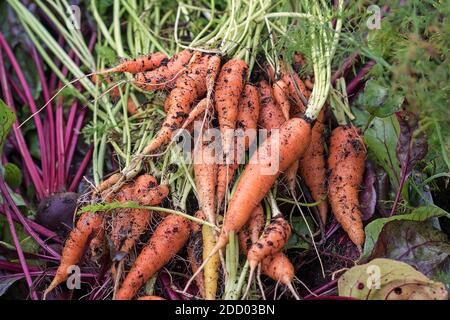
x: 56, y: 212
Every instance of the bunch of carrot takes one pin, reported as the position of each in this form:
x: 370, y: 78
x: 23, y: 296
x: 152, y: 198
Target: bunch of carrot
x: 204, y: 86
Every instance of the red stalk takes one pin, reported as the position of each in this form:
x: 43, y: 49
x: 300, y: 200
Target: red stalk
x: 23, y: 262
x: 15, y: 87
x: 50, y: 121
x: 59, y: 145
x: 69, y: 124
x: 30, y: 100
x: 73, y: 143
x: 23, y: 148
x: 76, y: 180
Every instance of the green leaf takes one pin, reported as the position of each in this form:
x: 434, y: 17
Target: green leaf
x: 299, y: 228
x: 374, y: 228
x: 108, y: 54
x: 379, y: 101
x: 381, y: 141
x: 7, y: 118
x: 26, y: 242
x: 386, y: 279
x: 33, y: 144
x: 13, y: 175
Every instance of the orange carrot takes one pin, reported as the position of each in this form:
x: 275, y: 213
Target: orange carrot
x: 141, y: 64
x: 225, y: 174
x: 248, y: 112
x: 313, y: 169
x: 212, y: 73
x: 346, y: 164
x: 164, y: 76
x: 129, y: 224
x: 169, y: 237
x: 279, y: 268
x: 195, y: 113
x: 106, y: 184
x: 297, y: 90
x: 260, y: 174
x: 74, y: 247
x: 280, y: 89
x: 309, y: 84
x: 270, y: 72
x: 270, y: 115
x: 188, y: 88
x: 254, y: 182
x: 251, y: 231
x: 131, y: 107
x: 274, y: 238
x: 205, y: 172
x: 229, y: 86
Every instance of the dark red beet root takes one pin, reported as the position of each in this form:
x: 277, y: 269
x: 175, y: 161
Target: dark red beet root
x: 56, y: 212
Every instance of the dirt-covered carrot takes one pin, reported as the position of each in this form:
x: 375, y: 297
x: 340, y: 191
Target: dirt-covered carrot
x: 270, y: 72
x: 225, y: 174
x: 280, y: 94
x: 248, y: 113
x: 261, y: 173
x: 195, y: 113
x: 229, y: 86
x: 251, y: 231
x: 131, y: 107
x: 140, y: 64
x: 147, y: 192
x: 271, y: 117
x: 274, y: 238
x: 297, y: 91
x: 74, y: 248
x: 109, y: 182
x: 169, y: 237
x: 205, y: 172
x: 165, y: 75
x: 205, y: 103
x: 129, y: 224
x: 188, y: 88
x: 195, y: 252
x: 313, y: 168
x: 309, y: 84
x: 212, y: 73
x: 280, y: 268
x: 346, y: 164
x: 270, y: 114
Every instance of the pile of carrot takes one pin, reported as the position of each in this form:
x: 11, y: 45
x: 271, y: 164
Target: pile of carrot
x: 224, y: 95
